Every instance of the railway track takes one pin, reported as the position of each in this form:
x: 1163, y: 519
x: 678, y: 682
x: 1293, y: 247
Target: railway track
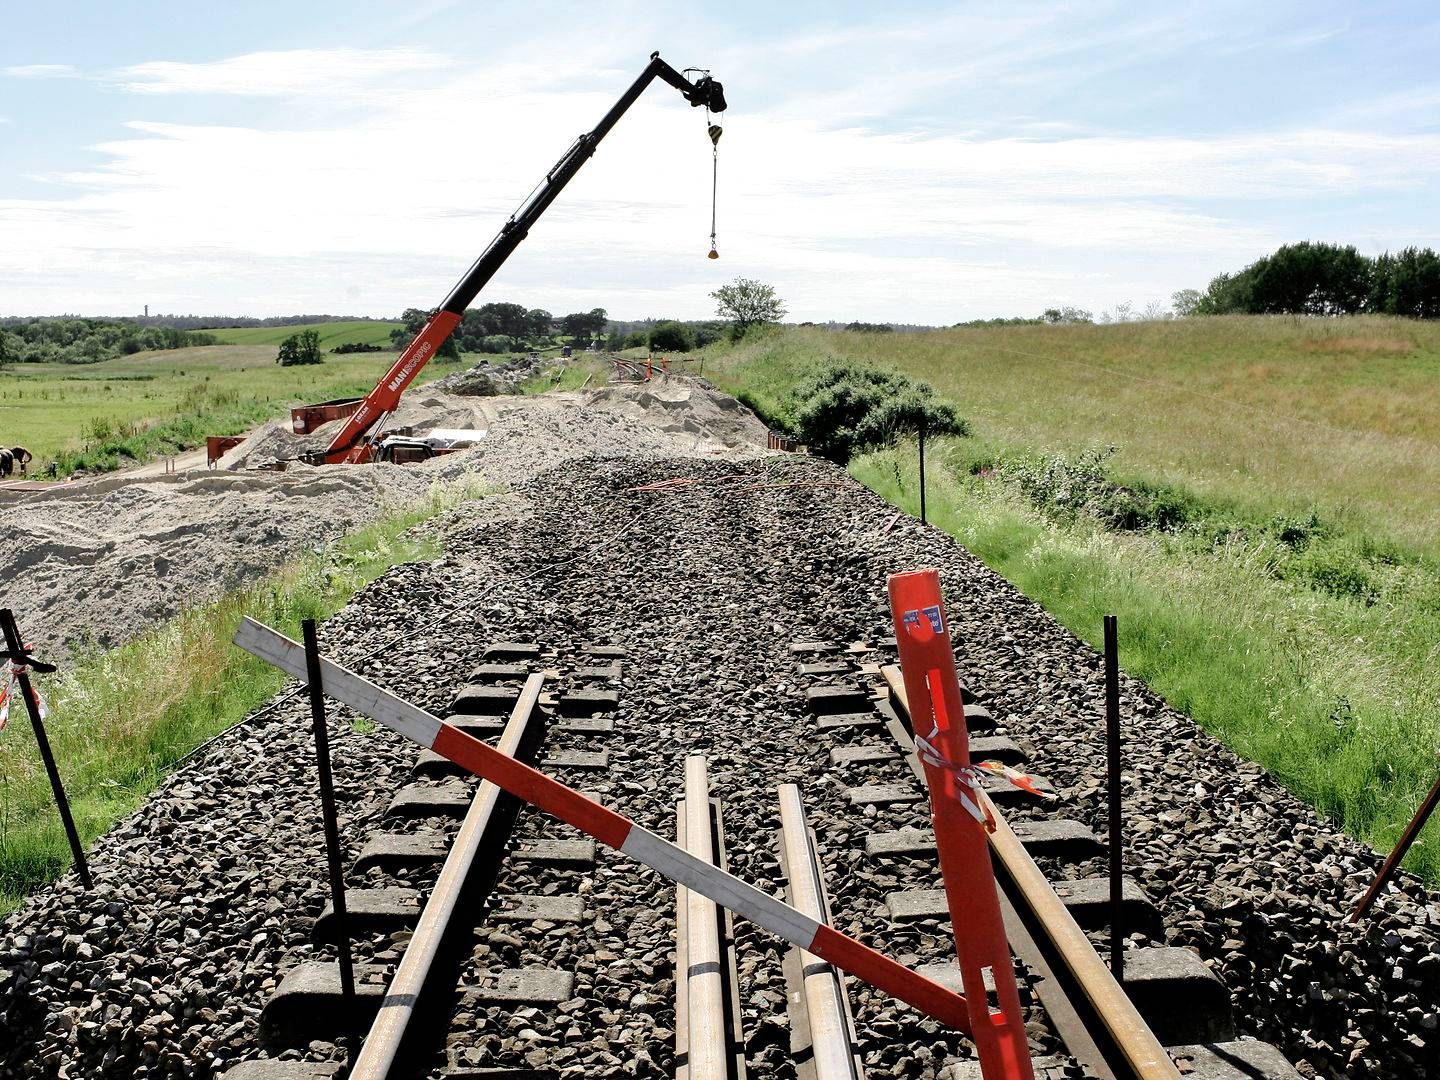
x: 582, y: 981
x: 439, y: 873
x: 1170, y: 1014
x: 418, y: 1017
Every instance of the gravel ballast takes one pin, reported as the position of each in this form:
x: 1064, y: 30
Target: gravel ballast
x: 206, y: 894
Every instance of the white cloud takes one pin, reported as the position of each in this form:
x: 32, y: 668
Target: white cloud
x: 1414, y: 106
x: 276, y: 74
x: 381, y: 203
x: 41, y: 71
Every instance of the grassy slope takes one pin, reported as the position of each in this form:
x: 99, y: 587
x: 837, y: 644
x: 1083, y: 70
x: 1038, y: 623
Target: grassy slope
x: 1276, y: 413
x: 357, y: 331
x: 216, y: 389
x: 1262, y: 416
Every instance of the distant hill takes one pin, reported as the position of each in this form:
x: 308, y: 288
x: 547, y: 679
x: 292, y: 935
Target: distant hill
x: 361, y: 331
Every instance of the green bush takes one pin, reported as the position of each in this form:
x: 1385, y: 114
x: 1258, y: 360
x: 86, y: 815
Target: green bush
x: 1071, y: 486
x: 671, y: 336
x: 707, y: 334
x: 1338, y: 570
x: 301, y: 348
x: 496, y: 344
x: 844, y: 409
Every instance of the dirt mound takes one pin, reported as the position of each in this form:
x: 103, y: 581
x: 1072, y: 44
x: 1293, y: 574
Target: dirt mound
x: 683, y: 406
x: 494, y: 377
x: 104, y: 559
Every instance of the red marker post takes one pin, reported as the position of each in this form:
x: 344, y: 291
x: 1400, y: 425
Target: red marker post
x: 960, y: 815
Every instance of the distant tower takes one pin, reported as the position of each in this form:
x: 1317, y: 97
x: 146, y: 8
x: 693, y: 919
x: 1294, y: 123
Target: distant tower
x: 147, y: 311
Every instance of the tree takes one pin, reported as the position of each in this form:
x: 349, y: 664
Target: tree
x: 301, y: 348
x: 538, y: 321
x: 1310, y: 279
x: 414, y: 319
x: 1297, y: 279
x: 671, y: 336
x: 584, y: 325
x: 1407, y: 283
x: 1064, y: 316
x: 511, y: 320
x: 1185, y: 302
x: 747, y: 303
x: 846, y: 408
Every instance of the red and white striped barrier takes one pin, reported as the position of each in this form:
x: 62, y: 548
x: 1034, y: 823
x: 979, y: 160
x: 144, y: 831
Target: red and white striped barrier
x: 611, y: 829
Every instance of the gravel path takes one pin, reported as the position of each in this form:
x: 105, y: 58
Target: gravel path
x: 207, y: 892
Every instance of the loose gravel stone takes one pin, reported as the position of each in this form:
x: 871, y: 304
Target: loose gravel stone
x: 208, y: 893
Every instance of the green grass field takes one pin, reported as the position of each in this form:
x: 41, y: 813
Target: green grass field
x: 355, y: 331
x: 112, y: 414
x: 1309, y: 647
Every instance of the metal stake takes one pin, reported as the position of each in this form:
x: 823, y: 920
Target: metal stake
x: 1112, y: 758
x: 327, y: 805
x: 17, y: 656
x: 922, y: 475
x: 1392, y: 861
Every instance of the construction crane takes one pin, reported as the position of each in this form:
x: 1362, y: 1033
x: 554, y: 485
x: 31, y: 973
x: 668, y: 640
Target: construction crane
x: 358, y: 440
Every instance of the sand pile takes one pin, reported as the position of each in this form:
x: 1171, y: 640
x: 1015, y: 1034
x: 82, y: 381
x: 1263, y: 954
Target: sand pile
x: 680, y: 407
x: 668, y: 417
x: 103, y: 559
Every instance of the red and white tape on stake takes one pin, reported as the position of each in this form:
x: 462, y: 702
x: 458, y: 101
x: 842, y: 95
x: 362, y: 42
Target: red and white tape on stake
x: 961, y: 817
x: 611, y: 829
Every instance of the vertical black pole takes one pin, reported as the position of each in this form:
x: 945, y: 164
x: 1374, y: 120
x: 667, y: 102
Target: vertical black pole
x: 922, y: 474
x: 1112, y: 755
x: 16, y: 650
x: 327, y: 806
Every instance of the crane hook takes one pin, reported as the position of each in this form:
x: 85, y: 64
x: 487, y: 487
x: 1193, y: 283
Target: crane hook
x: 714, y: 131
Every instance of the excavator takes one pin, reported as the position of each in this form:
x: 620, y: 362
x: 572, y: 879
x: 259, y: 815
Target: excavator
x: 361, y: 439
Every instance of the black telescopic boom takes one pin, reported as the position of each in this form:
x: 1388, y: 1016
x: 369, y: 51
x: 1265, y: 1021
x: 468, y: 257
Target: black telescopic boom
x: 706, y: 92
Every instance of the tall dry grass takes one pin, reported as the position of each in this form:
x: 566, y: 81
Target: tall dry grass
x: 1278, y: 413
x: 1320, y: 660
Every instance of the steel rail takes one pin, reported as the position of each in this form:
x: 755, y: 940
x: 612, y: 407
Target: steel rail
x: 709, y: 1044
x: 832, y: 1039
x: 1103, y: 1029
x: 705, y: 987
x: 381, y: 1048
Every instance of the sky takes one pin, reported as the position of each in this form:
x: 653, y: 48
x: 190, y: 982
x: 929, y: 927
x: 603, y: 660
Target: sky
x: 906, y: 162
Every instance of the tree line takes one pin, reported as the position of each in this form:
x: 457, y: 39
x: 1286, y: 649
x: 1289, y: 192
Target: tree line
x: 1324, y: 279
x: 70, y: 340
x: 741, y: 305
x: 232, y: 322
x: 504, y: 327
